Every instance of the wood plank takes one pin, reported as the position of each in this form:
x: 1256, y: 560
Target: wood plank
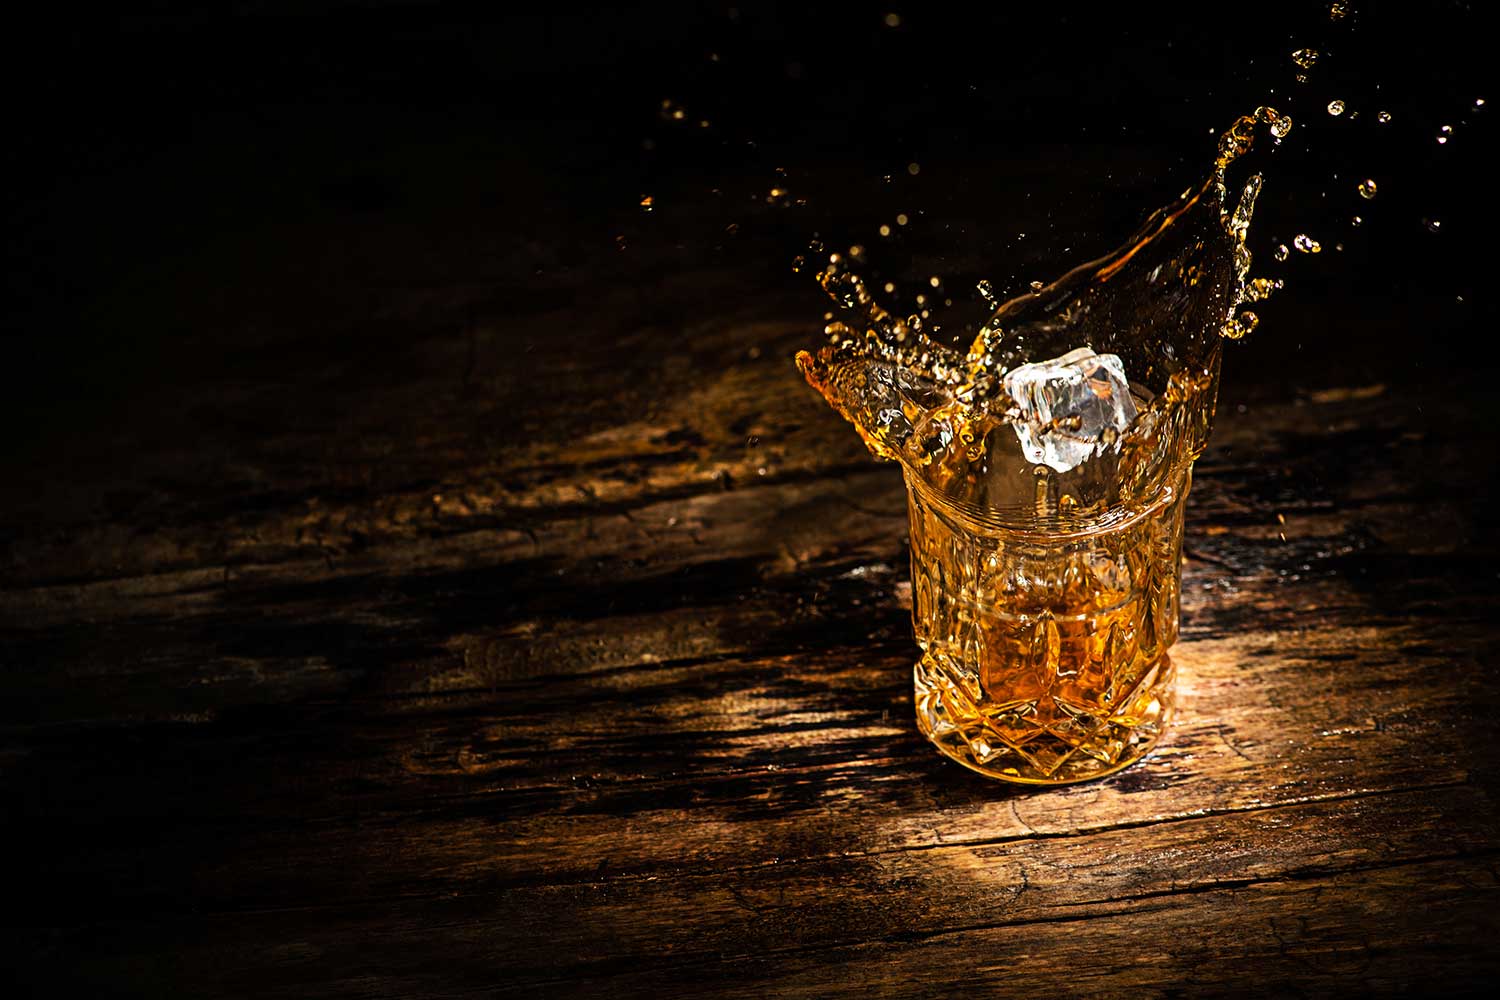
x: 1318, y: 896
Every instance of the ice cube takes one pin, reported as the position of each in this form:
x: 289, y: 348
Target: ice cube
x: 1068, y: 405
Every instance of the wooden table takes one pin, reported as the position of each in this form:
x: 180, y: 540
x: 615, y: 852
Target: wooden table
x: 471, y: 642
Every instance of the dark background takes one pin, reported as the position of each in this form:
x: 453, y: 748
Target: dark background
x: 207, y: 194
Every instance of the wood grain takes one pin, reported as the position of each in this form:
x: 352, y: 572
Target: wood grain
x: 622, y: 706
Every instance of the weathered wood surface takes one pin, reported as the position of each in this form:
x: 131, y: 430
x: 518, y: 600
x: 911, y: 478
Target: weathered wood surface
x: 492, y: 664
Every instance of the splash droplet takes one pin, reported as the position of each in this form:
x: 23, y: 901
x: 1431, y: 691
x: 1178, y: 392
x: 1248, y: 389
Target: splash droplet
x: 1037, y: 286
x: 914, y: 168
x: 1242, y: 324
x: 1260, y: 289
x: 885, y: 230
x: 1305, y: 57
x: 1433, y: 225
x: 1281, y: 126
x: 1281, y: 252
x: 901, y: 219
x: 893, y: 20
x: 1307, y: 244
x: 1356, y: 222
x: 1335, y: 108
x: 1366, y: 189
x: 1337, y: 11
x: 647, y: 203
x: 1384, y: 118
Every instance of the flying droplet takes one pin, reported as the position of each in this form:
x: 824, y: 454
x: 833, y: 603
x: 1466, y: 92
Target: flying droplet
x: 914, y: 168
x: 885, y: 230
x: 1036, y: 286
x: 647, y: 203
x: 1337, y: 11
x: 1433, y: 225
x: 1356, y: 222
x: 1281, y: 126
x: 1241, y: 325
x: 1366, y: 189
x: 1478, y: 102
x: 1384, y: 118
x: 1335, y: 108
x: 934, y: 281
x: 1305, y: 57
x: 1307, y: 244
x: 893, y: 20
x: 1281, y: 252
x: 1260, y: 289
x: 890, y: 287
x: 901, y: 219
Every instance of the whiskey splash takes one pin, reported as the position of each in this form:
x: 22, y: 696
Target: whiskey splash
x: 1047, y: 465
x: 1161, y: 303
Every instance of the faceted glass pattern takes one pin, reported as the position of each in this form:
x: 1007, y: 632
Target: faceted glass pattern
x: 1044, y: 656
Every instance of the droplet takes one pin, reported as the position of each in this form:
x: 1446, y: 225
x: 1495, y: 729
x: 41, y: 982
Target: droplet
x: 1335, y: 108
x: 1356, y: 221
x: 934, y: 281
x: 1036, y: 286
x: 885, y: 230
x: 1433, y: 225
x: 1307, y: 244
x: 1305, y: 57
x: 1384, y: 118
x: 1366, y: 189
x: 798, y: 263
x: 1300, y: 77
x: 1337, y: 11
x: 901, y: 219
x: 647, y: 203
x: 1241, y: 325
x: 1281, y: 126
x: 914, y: 168
x: 1260, y: 289
x: 1478, y: 102
x: 1281, y: 252
x: 893, y: 20
x: 890, y: 287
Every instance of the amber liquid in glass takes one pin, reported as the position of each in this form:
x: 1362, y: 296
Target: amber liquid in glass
x: 1044, y: 656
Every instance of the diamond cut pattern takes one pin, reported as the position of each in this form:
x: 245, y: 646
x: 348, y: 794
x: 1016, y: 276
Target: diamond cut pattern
x: 1045, y: 663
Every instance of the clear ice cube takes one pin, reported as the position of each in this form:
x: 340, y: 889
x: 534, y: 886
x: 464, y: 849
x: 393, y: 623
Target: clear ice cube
x: 1069, y: 406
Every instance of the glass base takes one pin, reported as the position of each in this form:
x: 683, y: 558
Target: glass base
x: 1042, y: 742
